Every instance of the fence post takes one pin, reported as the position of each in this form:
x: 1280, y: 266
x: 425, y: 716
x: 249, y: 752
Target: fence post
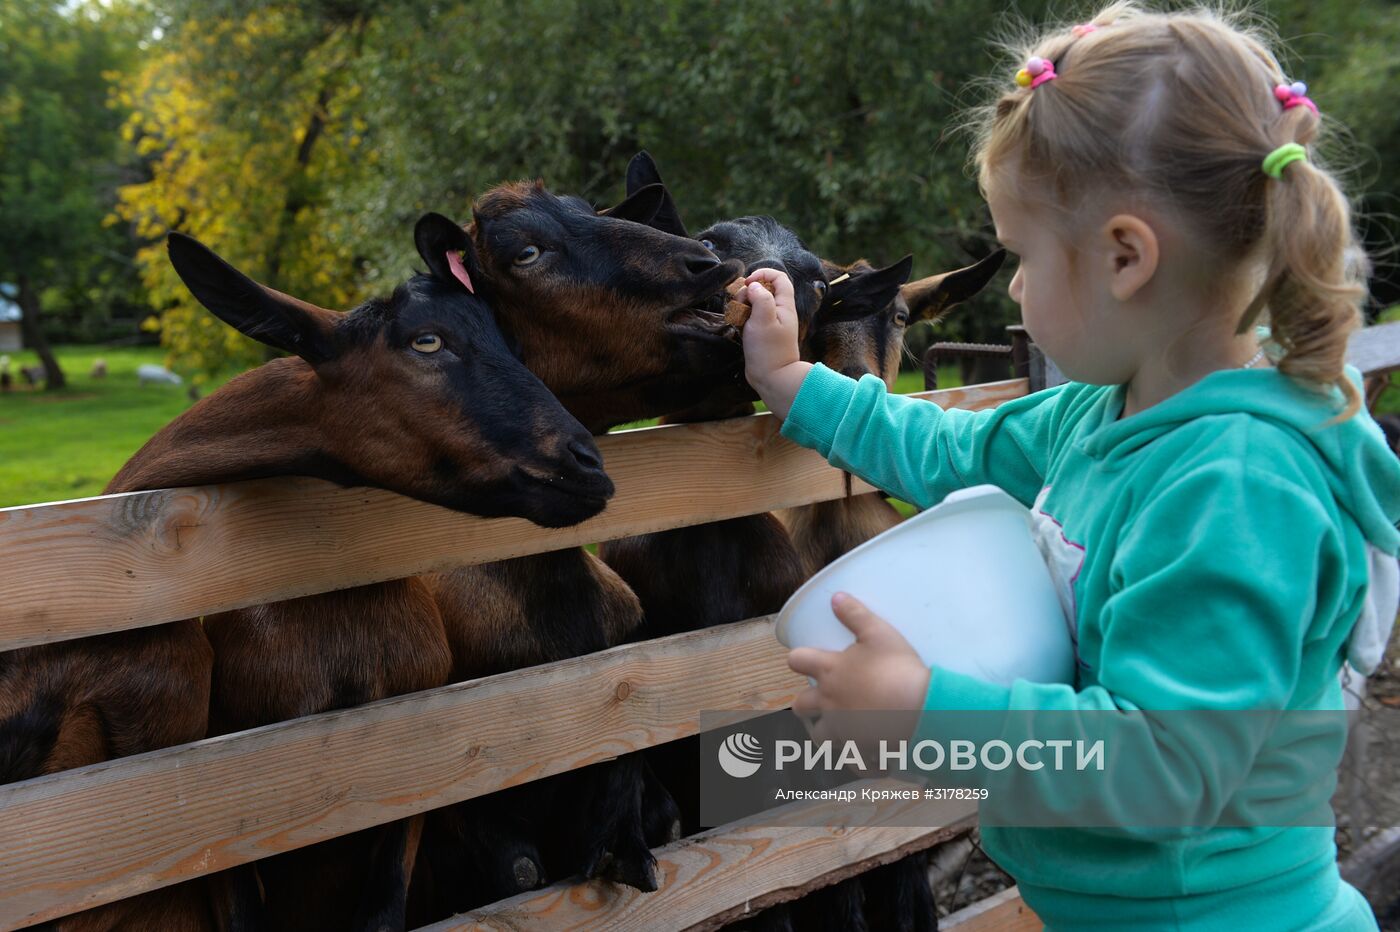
x: 1020, y: 351
x: 931, y: 368
x: 1043, y: 371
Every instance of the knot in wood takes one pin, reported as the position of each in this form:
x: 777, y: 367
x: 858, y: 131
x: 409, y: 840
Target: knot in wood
x: 624, y: 689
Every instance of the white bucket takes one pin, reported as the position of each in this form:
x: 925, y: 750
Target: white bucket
x: 964, y: 582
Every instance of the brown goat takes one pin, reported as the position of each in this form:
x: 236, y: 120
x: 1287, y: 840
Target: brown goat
x: 860, y: 330
x: 853, y: 320
x: 418, y: 394
x: 622, y: 322
x: 710, y: 574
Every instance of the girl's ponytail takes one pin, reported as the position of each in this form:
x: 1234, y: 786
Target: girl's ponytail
x: 1314, y: 287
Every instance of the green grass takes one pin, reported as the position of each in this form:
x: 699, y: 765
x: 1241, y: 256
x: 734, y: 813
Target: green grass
x: 69, y: 443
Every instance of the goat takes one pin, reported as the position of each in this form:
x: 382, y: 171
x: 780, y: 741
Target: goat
x: 721, y: 572
x: 852, y: 319
x: 674, y: 572
x: 383, y: 396
x: 99, y: 369
x: 860, y: 330
x: 33, y: 375
x: 151, y: 374
x: 621, y: 321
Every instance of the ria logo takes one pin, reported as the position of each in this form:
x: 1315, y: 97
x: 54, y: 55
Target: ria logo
x: 740, y: 755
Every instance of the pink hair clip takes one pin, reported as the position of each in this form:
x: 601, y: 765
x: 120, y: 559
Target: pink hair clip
x: 1083, y: 29
x: 1037, y: 71
x: 1294, y: 95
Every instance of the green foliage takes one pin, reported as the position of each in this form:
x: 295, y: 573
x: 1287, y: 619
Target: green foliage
x: 302, y: 139
x: 1349, y: 53
x: 60, y: 153
x: 825, y: 114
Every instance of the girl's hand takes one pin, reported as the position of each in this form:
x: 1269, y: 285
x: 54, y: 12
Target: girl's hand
x: 772, y: 361
x: 880, y: 671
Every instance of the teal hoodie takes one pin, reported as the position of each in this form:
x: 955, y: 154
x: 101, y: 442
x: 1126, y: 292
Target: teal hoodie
x: 1215, y: 551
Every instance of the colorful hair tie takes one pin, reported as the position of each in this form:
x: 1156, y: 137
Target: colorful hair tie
x: 1083, y: 29
x: 1284, y: 155
x: 1294, y: 95
x: 1037, y: 71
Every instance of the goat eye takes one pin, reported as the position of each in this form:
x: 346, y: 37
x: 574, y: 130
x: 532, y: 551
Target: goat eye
x: 821, y: 288
x: 901, y: 318
x: 708, y: 244
x: 528, y: 256
x: 427, y: 343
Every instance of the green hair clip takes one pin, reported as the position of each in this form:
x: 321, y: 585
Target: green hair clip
x: 1284, y: 155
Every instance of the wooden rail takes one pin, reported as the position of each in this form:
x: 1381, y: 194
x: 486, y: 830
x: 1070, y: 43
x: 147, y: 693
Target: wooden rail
x: 1375, y: 350
x: 92, y: 835
x: 83, y: 837
x: 722, y: 875
x: 1001, y: 912
x: 85, y: 567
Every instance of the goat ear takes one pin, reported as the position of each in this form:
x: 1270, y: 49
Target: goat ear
x: 640, y: 206
x: 642, y: 171
x: 930, y: 298
x: 864, y: 293
x: 448, y: 251
x: 266, y: 315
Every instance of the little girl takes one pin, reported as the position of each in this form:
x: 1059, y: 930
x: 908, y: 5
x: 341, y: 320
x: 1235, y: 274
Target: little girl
x: 1225, y: 510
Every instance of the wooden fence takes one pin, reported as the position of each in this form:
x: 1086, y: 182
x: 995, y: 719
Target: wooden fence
x: 88, y: 836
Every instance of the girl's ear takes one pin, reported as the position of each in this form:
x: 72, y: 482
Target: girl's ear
x: 1131, y: 253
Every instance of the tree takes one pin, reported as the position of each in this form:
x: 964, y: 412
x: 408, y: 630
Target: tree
x: 303, y: 137
x: 57, y: 136
x: 232, y: 114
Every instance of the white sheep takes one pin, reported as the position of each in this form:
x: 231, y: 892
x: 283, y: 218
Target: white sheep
x: 152, y: 373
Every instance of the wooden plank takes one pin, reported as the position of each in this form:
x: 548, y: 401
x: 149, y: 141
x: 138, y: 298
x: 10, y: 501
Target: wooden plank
x: 87, y: 836
x: 722, y: 875
x: 1001, y: 912
x: 1375, y: 350
x: 102, y: 564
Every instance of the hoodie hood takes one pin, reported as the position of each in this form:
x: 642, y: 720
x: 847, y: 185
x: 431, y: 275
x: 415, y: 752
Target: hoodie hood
x: 1362, y: 472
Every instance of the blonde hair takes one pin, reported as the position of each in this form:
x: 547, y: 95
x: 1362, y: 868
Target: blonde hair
x: 1179, y: 107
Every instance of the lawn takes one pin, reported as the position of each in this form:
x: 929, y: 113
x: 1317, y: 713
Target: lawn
x: 69, y: 444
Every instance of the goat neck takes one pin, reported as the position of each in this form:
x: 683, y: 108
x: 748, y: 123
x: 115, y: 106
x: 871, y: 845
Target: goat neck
x: 262, y: 423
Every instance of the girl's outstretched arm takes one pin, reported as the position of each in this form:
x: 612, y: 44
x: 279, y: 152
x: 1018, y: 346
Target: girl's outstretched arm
x: 907, y: 447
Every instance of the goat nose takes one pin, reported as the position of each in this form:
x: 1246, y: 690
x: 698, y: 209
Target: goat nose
x: 699, y: 265
x: 586, y: 454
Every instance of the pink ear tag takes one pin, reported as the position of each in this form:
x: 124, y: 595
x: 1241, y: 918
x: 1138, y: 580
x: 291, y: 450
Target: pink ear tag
x: 454, y: 262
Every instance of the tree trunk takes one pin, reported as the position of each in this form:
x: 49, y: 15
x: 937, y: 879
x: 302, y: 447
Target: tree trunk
x: 33, y: 334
